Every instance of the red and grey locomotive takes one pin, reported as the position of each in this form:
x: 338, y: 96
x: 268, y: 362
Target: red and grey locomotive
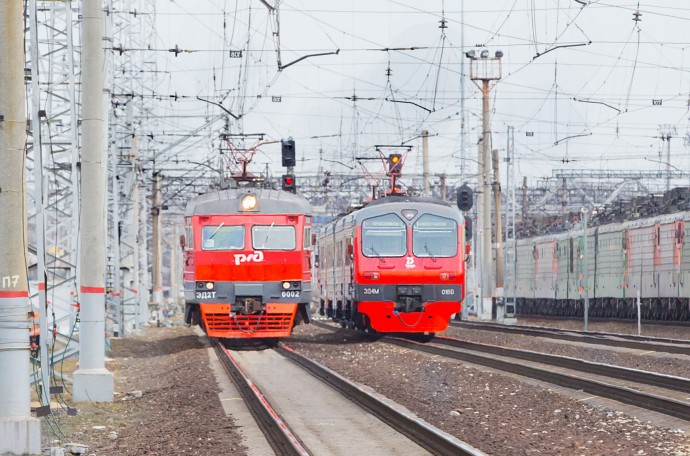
x: 395, y: 265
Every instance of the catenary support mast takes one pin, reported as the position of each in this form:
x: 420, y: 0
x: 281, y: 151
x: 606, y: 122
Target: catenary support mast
x: 425, y: 162
x: 92, y: 381
x: 19, y: 432
x: 157, y: 251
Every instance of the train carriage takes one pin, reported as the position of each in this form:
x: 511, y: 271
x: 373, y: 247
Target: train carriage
x: 395, y: 265
x: 647, y: 256
x: 247, y: 270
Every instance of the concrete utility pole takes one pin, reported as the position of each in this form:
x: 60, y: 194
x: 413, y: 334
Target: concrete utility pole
x: 115, y: 239
x: 478, y: 247
x: 666, y: 132
x: 485, y: 69
x: 157, y: 251
x: 523, y: 212
x: 92, y: 381
x: 510, y: 275
x: 585, y: 260
x: 425, y: 162
x: 499, y: 222
x: 144, y: 277
x: 20, y: 433
x: 174, y: 266
x: 463, y: 120
x: 137, y: 287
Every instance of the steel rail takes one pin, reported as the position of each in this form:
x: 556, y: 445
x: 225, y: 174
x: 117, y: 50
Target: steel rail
x: 427, y: 436
x: 279, y: 436
x: 671, y: 382
x: 675, y: 346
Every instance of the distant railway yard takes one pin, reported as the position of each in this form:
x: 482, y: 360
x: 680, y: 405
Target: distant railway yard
x: 477, y: 389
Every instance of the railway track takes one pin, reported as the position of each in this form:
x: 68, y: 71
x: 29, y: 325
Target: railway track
x: 573, y: 380
x: 565, y: 372
x: 647, y: 343
x: 278, y: 435
x: 284, y: 438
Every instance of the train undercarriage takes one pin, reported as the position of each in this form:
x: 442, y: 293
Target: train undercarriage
x: 662, y: 309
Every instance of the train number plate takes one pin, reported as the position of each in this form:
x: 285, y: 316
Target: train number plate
x: 205, y: 294
x: 290, y: 294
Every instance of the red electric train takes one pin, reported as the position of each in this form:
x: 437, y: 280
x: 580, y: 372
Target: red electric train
x: 394, y: 266
x: 247, y: 262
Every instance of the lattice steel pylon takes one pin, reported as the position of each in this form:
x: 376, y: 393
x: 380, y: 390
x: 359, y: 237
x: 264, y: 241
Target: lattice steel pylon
x: 132, y: 70
x: 53, y: 63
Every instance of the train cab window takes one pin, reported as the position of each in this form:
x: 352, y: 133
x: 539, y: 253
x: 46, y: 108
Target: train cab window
x: 434, y: 236
x: 384, y: 236
x: 273, y: 237
x: 222, y: 237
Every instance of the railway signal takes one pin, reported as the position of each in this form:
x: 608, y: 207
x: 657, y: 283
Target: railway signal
x: 289, y: 183
x: 288, y: 152
x: 394, y: 164
x: 465, y: 198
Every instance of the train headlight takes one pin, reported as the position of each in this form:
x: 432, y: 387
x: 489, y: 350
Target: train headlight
x: 248, y: 202
x: 409, y: 213
x: 209, y: 285
x: 286, y: 285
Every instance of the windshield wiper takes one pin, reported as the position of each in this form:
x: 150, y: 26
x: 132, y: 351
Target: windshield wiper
x: 373, y: 250
x: 263, y: 246
x: 428, y: 250
x: 219, y: 227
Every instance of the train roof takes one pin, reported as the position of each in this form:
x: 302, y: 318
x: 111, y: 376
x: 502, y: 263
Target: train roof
x: 228, y: 202
x: 395, y: 203
x: 408, y: 199
x: 618, y: 227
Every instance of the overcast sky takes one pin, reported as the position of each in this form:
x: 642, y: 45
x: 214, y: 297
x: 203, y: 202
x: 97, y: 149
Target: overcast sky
x: 583, y: 86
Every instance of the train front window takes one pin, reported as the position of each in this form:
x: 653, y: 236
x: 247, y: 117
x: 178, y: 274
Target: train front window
x: 273, y: 237
x: 384, y: 236
x: 222, y: 237
x: 434, y: 236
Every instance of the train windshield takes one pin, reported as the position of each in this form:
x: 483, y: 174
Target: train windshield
x: 384, y: 236
x: 222, y: 237
x: 434, y: 236
x: 273, y: 237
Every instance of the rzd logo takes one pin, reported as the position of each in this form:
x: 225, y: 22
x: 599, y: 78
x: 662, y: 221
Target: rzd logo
x: 409, y: 262
x: 248, y: 258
